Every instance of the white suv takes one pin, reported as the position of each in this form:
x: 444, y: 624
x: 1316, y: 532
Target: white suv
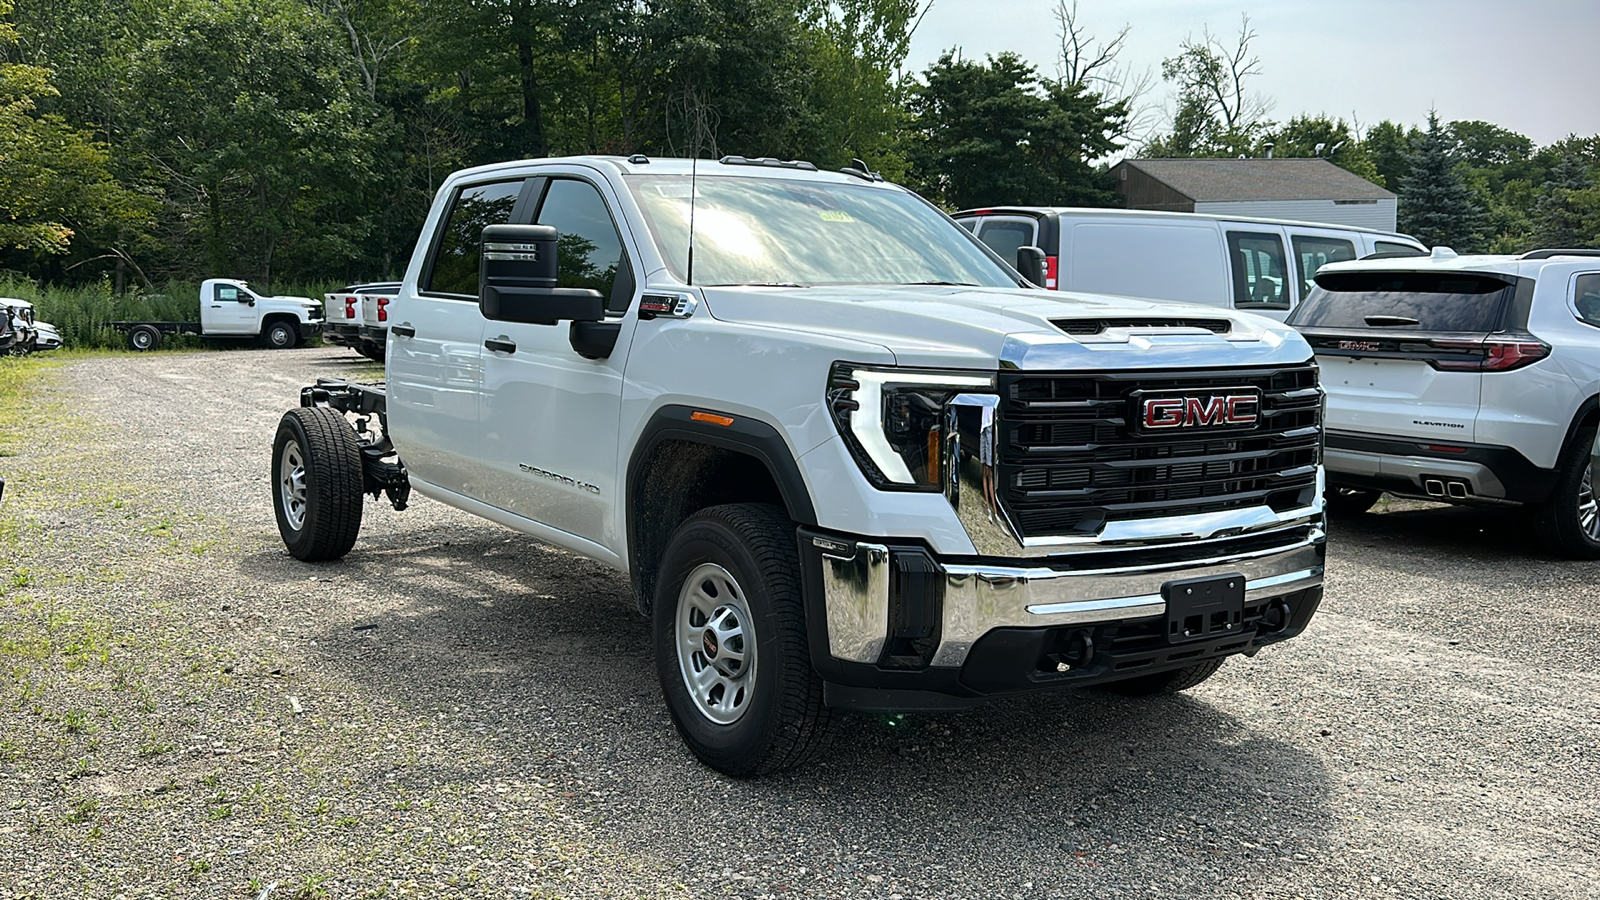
x: 1469, y: 379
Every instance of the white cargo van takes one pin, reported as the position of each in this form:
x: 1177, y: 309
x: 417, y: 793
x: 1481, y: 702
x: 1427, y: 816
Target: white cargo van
x: 1260, y: 265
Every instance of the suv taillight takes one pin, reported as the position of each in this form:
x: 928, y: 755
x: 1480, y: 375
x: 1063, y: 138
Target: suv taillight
x: 1499, y: 354
x: 383, y: 314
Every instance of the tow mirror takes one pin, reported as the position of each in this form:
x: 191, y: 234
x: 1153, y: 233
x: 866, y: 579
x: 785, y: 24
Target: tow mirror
x: 517, y: 279
x: 1030, y: 263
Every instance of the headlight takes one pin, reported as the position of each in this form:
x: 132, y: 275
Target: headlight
x: 893, y: 419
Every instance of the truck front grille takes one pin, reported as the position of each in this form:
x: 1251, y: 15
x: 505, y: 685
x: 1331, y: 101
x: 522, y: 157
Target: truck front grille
x: 1070, y: 462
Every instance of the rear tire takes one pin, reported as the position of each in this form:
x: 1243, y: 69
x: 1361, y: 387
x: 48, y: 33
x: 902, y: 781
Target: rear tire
x: 143, y: 337
x: 316, y: 483
x: 280, y: 336
x: 1569, y: 522
x: 1342, y: 501
x: 731, y: 645
x: 1167, y: 682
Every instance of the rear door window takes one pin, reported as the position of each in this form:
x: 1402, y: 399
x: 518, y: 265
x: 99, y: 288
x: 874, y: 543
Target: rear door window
x: 1260, y: 279
x: 1586, y: 299
x: 1406, y: 302
x: 1313, y: 252
x: 1004, y: 236
x: 455, y: 261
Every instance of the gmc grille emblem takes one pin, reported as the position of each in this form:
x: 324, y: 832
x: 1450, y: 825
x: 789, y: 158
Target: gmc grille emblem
x: 1215, y: 411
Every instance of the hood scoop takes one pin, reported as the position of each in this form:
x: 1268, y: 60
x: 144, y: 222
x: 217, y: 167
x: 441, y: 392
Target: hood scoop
x: 1085, y: 327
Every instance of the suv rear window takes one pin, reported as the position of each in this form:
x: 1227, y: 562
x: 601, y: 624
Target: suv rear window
x: 1405, y: 301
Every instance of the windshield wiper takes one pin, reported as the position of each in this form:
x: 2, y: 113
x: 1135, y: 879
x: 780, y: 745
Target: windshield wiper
x: 759, y: 284
x: 942, y: 283
x: 1390, y: 321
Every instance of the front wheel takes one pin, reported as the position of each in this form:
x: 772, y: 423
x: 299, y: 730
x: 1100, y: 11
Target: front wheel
x: 280, y: 336
x: 316, y: 483
x: 730, y: 642
x: 1569, y: 522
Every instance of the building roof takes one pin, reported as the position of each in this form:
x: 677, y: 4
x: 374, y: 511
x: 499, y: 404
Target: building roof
x: 1205, y: 180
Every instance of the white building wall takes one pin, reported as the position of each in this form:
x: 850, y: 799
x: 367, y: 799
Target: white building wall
x: 1379, y: 214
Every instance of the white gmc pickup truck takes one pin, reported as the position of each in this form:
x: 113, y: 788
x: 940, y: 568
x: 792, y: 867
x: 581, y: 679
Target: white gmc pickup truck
x: 850, y: 458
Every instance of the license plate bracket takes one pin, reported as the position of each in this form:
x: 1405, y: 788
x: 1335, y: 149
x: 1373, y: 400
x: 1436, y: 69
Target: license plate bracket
x: 1199, y: 609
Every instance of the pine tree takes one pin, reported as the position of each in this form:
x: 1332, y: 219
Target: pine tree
x: 1437, y: 205
x: 1559, y: 216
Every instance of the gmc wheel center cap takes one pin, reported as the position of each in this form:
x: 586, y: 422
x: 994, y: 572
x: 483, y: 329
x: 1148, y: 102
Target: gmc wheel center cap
x: 709, y: 640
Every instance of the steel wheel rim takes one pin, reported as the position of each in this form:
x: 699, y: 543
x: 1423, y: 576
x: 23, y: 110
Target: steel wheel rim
x: 292, y: 485
x: 1588, y: 507
x: 142, y: 340
x: 279, y: 336
x: 716, y: 644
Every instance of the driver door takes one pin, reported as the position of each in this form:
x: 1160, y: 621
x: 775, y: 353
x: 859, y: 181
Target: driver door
x: 232, y: 309
x: 550, y: 416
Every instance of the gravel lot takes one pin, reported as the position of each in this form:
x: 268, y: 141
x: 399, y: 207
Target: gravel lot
x: 455, y: 710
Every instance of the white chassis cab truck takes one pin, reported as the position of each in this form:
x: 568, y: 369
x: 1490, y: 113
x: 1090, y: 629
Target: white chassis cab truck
x: 229, y: 309
x: 848, y: 456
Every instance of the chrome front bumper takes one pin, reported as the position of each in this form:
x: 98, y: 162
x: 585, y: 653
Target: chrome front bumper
x: 980, y: 598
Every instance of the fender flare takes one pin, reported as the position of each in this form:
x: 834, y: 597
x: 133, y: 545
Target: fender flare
x: 745, y: 435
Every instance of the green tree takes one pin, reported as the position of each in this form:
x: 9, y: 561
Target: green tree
x: 260, y: 145
x: 996, y: 134
x: 1389, y: 146
x: 854, y: 103
x: 55, y: 181
x: 1436, y: 203
x: 1563, y: 216
x: 1332, y: 139
x: 1217, y: 114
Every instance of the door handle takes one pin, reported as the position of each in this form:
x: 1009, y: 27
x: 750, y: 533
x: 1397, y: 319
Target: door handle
x: 500, y: 346
x: 404, y: 330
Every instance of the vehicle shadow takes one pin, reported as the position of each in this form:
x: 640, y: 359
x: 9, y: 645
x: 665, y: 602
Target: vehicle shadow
x: 545, y: 670
x: 1411, y: 529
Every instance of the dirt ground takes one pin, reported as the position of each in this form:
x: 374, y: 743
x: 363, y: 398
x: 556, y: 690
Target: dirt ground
x: 457, y: 710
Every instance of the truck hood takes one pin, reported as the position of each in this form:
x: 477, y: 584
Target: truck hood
x: 960, y: 327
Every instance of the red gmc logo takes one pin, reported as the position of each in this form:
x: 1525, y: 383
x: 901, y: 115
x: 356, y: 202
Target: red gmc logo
x: 1218, y: 410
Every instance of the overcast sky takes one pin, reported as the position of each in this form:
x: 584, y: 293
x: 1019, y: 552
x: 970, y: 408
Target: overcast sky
x: 1532, y: 66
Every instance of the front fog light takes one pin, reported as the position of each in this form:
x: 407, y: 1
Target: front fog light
x: 892, y: 419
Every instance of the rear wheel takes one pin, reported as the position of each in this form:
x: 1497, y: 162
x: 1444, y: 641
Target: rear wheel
x: 1343, y: 501
x: 1569, y: 522
x: 1167, y: 682
x: 316, y: 483
x: 730, y: 642
x: 280, y: 336
x: 143, y: 337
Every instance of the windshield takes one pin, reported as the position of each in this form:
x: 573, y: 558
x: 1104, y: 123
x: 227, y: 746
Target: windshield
x: 783, y: 231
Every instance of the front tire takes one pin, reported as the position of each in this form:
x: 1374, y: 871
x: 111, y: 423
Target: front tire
x: 1569, y: 522
x: 730, y: 641
x: 316, y: 483
x: 280, y: 336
